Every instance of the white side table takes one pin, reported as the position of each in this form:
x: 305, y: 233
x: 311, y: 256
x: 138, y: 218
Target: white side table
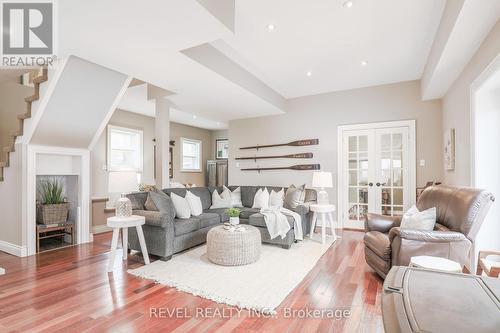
x: 436, y: 263
x: 124, y: 223
x: 324, y: 211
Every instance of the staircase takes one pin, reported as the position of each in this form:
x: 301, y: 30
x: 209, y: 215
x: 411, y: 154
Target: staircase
x: 6, y: 151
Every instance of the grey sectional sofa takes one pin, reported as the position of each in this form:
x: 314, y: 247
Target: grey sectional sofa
x: 166, y: 235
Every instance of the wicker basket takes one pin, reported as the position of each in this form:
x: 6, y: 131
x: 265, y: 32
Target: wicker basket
x: 52, y: 214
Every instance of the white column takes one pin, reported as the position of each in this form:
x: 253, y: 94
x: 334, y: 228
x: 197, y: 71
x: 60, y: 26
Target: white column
x: 162, y: 136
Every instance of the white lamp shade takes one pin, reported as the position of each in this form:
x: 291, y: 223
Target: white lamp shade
x: 322, y: 179
x: 122, y: 182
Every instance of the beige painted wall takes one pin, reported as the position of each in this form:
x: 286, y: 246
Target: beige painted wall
x: 318, y: 117
x: 456, y: 107
x: 205, y: 136
x: 11, y: 105
x: 99, y: 154
x: 146, y: 124
x: 220, y: 134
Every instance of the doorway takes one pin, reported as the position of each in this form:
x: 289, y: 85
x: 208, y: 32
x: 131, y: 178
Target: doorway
x: 376, y: 170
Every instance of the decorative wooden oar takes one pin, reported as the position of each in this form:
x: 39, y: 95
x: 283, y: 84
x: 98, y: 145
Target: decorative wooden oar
x: 298, y: 143
x: 300, y: 167
x: 304, y: 155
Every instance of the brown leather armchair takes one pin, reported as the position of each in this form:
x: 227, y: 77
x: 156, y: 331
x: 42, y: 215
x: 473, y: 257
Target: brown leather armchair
x: 460, y: 213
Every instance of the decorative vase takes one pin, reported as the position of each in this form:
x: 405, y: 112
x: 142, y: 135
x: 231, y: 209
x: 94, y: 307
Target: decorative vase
x: 234, y: 220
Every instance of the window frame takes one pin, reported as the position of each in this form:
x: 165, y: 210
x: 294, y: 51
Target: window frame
x: 200, y: 153
x: 110, y: 129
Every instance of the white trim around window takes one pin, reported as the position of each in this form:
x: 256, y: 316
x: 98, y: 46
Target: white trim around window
x: 194, y: 157
x: 133, y: 150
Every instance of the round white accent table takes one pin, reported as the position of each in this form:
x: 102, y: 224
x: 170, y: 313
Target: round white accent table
x: 324, y: 211
x: 123, y: 223
x: 436, y: 263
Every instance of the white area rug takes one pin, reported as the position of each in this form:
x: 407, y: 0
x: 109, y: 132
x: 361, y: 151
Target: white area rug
x: 260, y: 286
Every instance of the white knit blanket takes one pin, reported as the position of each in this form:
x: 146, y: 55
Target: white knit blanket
x: 277, y: 223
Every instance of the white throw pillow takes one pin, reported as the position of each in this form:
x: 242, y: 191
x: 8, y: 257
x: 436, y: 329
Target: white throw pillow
x: 194, y: 203
x: 261, y: 199
x: 276, y: 198
x: 235, y: 197
x: 181, y: 206
x: 222, y: 200
x: 420, y: 220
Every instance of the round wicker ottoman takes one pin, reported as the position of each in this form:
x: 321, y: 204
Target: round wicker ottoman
x: 233, y: 248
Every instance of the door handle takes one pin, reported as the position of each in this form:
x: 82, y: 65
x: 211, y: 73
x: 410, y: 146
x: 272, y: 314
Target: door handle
x: 370, y: 184
x: 378, y: 184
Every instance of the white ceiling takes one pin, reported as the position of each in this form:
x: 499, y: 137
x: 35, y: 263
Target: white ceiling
x: 135, y: 100
x: 464, y: 25
x: 221, y: 69
x: 331, y: 41
x: 144, y: 40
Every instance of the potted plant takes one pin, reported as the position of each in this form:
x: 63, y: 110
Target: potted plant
x: 54, y: 207
x: 234, y: 215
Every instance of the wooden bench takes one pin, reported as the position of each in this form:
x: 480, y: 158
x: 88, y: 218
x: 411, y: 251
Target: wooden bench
x: 44, y: 231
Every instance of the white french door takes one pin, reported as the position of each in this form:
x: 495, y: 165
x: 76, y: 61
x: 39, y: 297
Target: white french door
x: 376, y: 174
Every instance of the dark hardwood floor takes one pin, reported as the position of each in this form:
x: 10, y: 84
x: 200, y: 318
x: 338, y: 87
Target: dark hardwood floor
x: 69, y: 290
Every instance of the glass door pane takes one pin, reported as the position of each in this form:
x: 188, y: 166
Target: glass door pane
x: 391, y: 152
x: 358, y: 173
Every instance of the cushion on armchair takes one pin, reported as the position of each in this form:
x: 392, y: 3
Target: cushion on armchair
x: 420, y: 220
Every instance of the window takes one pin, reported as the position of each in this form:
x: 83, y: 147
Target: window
x: 191, y: 155
x: 125, y: 149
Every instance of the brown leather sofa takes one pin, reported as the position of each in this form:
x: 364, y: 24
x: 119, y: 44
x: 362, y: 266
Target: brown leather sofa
x: 460, y: 213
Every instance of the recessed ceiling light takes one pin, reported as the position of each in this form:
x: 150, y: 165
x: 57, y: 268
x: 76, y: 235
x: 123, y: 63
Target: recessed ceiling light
x: 218, y: 123
x: 194, y: 117
x: 364, y: 63
x: 348, y: 4
x: 270, y: 27
x: 309, y: 73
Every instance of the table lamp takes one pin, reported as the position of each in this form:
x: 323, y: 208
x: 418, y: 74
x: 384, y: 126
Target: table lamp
x: 322, y: 180
x: 123, y: 182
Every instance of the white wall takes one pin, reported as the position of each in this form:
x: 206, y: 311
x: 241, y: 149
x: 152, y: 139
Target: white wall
x: 318, y: 117
x: 11, y: 210
x: 457, y: 111
x: 488, y: 163
x: 83, y: 97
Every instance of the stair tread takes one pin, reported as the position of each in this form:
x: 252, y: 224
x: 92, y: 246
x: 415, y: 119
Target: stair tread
x: 40, y: 79
x: 32, y: 98
x: 23, y: 116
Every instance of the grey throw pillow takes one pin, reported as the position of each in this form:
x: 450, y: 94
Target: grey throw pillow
x: 163, y: 203
x: 294, y: 196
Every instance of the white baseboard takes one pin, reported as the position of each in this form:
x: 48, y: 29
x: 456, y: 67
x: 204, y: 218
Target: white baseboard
x: 15, y: 250
x: 99, y: 229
